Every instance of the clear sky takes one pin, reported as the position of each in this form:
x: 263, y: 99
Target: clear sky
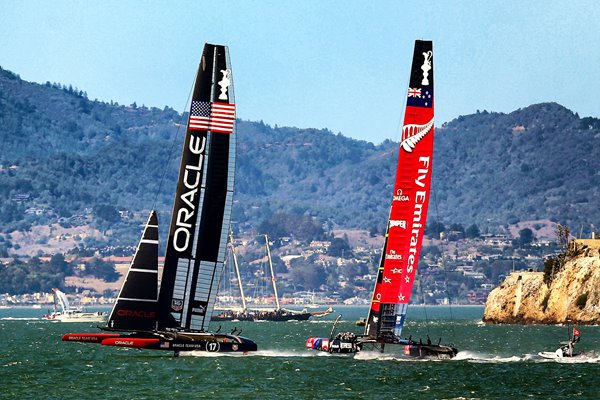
x: 341, y: 65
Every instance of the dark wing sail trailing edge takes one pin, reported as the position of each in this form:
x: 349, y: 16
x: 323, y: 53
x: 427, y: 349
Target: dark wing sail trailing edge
x: 136, y: 305
x: 196, y: 248
x: 408, y: 212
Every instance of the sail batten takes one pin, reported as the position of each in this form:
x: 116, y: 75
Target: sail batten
x: 408, y: 211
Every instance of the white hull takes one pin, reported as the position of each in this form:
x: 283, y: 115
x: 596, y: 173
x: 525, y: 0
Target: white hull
x: 553, y: 355
x: 76, y: 316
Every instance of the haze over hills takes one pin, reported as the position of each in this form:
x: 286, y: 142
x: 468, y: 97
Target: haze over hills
x: 62, y: 153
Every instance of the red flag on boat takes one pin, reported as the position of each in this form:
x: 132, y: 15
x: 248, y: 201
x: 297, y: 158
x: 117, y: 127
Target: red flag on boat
x: 576, y: 332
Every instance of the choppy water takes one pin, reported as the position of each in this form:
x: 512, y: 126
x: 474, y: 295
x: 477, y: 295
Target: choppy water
x: 494, y: 362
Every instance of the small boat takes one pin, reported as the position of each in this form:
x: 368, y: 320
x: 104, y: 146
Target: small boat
x: 567, y: 349
x: 69, y: 314
x: 279, y: 314
x: 361, y: 321
x: 404, y: 234
x: 177, y: 317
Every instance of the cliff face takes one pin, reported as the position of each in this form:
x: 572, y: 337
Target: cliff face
x: 524, y: 298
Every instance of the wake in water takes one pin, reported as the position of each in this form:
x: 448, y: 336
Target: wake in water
x: 375, y: 355
x: 468, y: 356
x: 20, y: 319
x: 259, y: 353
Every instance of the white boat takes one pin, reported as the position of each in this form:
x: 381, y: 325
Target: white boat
x: 68, y: 314
x: 567, y: 349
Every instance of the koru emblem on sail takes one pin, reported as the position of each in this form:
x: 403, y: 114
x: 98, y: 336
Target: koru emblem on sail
x: 413, y: 133
x: 224, y: 83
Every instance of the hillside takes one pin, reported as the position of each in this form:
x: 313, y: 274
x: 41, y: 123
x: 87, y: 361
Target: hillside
x: 64, y: 157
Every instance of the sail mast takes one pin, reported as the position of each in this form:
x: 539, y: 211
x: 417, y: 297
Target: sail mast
x: 273, y: 280
x: 237, y: 272
x: 408, y: 211
x: 201, y: 217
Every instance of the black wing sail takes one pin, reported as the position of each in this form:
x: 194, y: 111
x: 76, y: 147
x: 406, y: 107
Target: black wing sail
x: 201, y: 217
x: 135, y: 308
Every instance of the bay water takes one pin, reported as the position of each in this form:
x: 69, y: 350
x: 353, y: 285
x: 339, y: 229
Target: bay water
x: 494, y: 362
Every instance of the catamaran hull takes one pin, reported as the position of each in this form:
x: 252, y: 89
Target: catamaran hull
x: 413, y: 349
x: 333, y: 346
x: 212, y: 343
x: 430, y: 351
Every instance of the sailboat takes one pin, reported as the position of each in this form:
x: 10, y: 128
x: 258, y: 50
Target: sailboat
x: 177, y: 317
x: 71, y: 314
x: 233, y: 314
x: 277, y: 315
x: 404, y: 233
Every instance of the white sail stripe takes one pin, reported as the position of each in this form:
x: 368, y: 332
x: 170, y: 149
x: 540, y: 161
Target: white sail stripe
x: 221, y: 121
x: 133, y: 299
x: 213, y: 118
x: 222, y: 117
x: 225, y: 107
x: 151, y: 271
x: 148, y: 241
x: 213, y: 121
x: 229, y: 114
x: 152, y: 226
x: 209, y: 124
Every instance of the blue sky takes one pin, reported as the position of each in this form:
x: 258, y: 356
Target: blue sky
x: 341, y: 65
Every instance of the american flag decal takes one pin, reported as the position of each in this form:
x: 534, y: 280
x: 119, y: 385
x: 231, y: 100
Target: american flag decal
x: 214, y: 117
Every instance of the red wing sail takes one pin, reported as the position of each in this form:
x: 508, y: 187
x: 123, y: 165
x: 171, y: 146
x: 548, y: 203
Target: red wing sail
x: 410, y: 199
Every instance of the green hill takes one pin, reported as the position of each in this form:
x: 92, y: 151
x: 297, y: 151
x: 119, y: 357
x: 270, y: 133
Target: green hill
x: 65, y: 155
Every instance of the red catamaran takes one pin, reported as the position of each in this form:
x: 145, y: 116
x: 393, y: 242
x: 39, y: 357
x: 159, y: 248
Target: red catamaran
x: 406, y: 223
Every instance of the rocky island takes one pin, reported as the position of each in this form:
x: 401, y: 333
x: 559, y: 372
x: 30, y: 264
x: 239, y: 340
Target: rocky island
x: 568, y: 291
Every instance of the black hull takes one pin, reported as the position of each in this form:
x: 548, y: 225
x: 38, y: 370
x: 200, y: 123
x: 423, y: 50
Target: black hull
x: 272, y: 316
x: 230, y: 318
x: 348, y: 343
x: 430, y: 351
x: 176, y: 341
x: 285, y: 317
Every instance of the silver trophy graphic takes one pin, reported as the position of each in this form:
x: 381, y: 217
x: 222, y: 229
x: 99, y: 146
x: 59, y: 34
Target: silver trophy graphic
x: 224, y: 83
x: 426, y: 67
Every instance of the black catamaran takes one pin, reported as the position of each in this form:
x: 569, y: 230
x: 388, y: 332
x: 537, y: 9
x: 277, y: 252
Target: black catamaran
x: 177, y: 317
x: 404, y: 233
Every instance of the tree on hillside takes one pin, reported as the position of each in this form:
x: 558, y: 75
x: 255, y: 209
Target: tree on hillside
x: 302, y: 227
x: 472, y: 232
x: 434, y: 229
x: 107, y: 212
x: 526, y: 237
x: 307, y: 276
x: 58, y: 265
x: 102, y: 269
x: 340, y: 247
